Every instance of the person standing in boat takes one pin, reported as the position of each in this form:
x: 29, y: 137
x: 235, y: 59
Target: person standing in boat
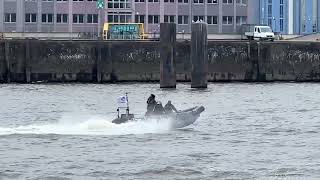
x: 151, y: 103
x: 169, y: 108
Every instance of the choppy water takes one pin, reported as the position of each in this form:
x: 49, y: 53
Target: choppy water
x: 248, y: 131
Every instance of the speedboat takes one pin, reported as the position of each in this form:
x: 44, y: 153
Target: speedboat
x: 178, y: 119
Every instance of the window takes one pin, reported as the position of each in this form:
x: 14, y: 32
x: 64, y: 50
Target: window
x: 47, y: 0
x: 227, y: 1
x: 138, y: 0
x: 92, y: 18
x: 62, y: 0
x: 153, y: 1
x: 269, y: 22
x: 212, y: 19
x: 139, y: 18
x: 62, y: 18
x: 198, y: 1
x: 227, y: 20
x: 212, y: 1
x: 242, y: 2
x: 47, y: 18
x: 171, y: 1
x: 241, y: 20
x: 183, y: 1
x: 31, y: 17
x: 170, y: 19
x: 281, y: 11
x: 77, y: 0
x: 198, y: 18
x: 10, y: 17
x: 153, y: 19
x: 281, y: 25
x: 123, y: 17
x: 183, y: 19
x: 118, y: 4
x: 314, y: 27
x: 77, y: 18
x: 269, y: 10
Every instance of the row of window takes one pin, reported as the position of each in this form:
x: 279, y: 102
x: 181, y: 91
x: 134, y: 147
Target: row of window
x: 123, y: 18
x: 184, y: 19
x: 61, y: 0
x: 118, y: 4
x: 123, y: 3
x: 243, y: 2
x: 48, y: 18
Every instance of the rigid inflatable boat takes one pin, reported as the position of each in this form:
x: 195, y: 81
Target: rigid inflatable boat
x: 178, y: 119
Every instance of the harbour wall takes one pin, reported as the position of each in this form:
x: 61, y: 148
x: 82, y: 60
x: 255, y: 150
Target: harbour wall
x: 26, y: 61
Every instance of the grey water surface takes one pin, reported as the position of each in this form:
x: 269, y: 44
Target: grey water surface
x: 248, y: 131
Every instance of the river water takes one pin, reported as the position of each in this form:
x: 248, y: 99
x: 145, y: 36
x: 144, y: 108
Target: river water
x: 248, y: 131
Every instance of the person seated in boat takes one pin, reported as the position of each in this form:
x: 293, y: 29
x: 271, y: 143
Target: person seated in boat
x: 169, y: 108
x: 151, y: 103
x: 158, y: 109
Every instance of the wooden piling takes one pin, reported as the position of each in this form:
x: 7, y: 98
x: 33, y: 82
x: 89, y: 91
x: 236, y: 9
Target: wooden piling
x: 168, y: 55
x: 199, y: 55
x: 7, y: 60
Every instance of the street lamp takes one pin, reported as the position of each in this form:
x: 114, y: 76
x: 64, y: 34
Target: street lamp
x: 275, y: 26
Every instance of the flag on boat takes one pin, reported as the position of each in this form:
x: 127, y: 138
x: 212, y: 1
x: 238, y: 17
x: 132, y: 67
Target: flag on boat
x: 123, y: 101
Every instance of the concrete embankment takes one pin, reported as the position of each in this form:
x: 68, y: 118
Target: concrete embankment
x: 107, y: 61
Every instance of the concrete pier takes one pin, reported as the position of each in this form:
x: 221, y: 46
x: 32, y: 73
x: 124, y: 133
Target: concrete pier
x: 168, y: 55
x: 24, y: 61
x: 199, y: 55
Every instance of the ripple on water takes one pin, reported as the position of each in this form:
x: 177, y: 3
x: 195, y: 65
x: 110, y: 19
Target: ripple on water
x: 248, y: 131
x: 167, y: 171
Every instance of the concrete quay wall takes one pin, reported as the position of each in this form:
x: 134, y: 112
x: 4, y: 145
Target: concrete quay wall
x: 26, y: 61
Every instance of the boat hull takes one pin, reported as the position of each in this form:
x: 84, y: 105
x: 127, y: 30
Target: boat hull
x: 180, y: 119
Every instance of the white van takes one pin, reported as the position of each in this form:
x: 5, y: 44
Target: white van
x: 258, y: 32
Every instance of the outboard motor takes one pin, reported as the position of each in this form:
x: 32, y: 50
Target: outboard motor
x: 124, y: 118
x: 123, y: 103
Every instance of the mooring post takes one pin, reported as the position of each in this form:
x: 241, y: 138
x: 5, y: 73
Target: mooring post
x: 199, y: 55
x: 7, y: 60
x: 27, y: 63
x: 168, y: 55
x: 98, y: 64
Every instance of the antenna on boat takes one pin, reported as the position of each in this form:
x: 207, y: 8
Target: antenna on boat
x: 127, y: 103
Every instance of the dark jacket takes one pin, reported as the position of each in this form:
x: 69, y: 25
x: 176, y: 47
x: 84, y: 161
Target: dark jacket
x: 151, y: 104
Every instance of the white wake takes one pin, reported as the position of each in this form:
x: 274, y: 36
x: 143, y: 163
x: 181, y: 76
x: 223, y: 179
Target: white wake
x: 91, y: 126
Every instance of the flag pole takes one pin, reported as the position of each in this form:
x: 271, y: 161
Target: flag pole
x: 127, y: 103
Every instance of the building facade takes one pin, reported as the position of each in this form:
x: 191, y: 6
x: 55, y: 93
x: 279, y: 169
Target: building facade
x: 291, y: 16
x: 49, y: 16
x: 274, y: 13
x: 306, y: 16
x: 222, y: 16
